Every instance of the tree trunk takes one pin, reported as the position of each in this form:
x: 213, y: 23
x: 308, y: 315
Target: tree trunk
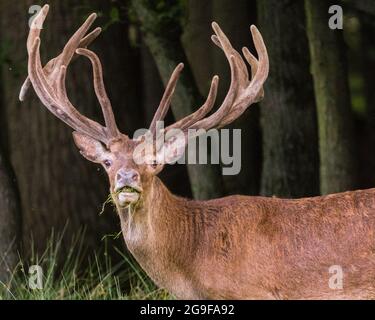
x: 366, y: 53
x: 10, y: 213
x: 10, y: 217
x: 167, y: 51
x: 197, y: 44
x: 338, y: 167
x: 288, y: 116
x: 363, y: 6
x: 56, y: 184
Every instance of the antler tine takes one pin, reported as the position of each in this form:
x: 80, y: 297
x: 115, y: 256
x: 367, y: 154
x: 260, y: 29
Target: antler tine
x: 100, y: 91
x: 48, y: 68
x: 253, y: 62
x: 36, y: 26
x: 237, y: 76
x: 263, y: 66
x: 225, y: 107
x: 167, y: 97
x: 222, y: 41
x: 50, y: 86
x: 61, y: 110
x: 243, y: 91
x: 73, y: 112
x: 253, y: 92
x: 73, y: 44
x: 202, y: 111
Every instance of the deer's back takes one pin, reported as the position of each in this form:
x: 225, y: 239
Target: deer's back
x: 276, y: 248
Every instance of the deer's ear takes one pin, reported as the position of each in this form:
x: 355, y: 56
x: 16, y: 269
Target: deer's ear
x: 93, y: 150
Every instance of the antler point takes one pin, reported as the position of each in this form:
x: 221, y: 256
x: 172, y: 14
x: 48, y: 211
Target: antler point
x: 45, y: 8
x: 254, y: 30
x: 215, y: 26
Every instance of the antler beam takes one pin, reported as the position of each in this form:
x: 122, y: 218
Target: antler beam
x: 244, y: 89
x: 49, y: 82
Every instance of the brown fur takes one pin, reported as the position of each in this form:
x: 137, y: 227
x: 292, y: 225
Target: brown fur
x: 236, y: 247
x: 243, y: 247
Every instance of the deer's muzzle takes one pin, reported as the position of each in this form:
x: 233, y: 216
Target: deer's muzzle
x: 127, y: 187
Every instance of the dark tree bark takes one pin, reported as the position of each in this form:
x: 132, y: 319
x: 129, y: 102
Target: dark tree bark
x: 163, y: 41
x: 288, y: 116
x: 196, y: 40
x: 56, y: 184
x: 10, y: 221
x: 10, y: 213
x: 363, y: 6
x: 366, y: 53
x: 338, y: 166
x: 368, y: 49
x: 152, y: 85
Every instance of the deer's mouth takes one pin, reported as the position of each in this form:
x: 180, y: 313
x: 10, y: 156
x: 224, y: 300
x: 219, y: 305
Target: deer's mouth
x: 128, y: 195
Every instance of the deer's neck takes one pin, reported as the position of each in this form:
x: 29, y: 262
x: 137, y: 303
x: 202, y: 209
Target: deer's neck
x: 149, y: 228
x: 162, y: 234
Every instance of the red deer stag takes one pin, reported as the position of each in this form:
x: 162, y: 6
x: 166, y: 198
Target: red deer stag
x: 237, y: 247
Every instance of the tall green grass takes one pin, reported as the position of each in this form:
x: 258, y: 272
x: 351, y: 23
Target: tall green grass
x: 76, y: 276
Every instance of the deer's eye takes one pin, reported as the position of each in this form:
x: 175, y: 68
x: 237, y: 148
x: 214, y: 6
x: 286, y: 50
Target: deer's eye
x: 107, y: 163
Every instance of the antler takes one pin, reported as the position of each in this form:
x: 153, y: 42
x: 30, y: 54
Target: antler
x: 244, y: 90
x: 49, y: 82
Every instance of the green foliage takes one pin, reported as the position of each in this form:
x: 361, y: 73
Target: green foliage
x: 109, y: 201
x: 160, y: 17
x: 357, y: 97
x: 113, y: 17
x: 78, y: 278
x: 109, y: 15
x: 353, y: 39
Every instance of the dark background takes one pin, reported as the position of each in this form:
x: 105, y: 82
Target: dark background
x: 314, y: 133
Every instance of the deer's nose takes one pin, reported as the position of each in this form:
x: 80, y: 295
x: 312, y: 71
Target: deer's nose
x: 127, y: 177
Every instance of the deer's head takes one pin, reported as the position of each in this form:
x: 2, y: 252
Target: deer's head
x: 130, y: 168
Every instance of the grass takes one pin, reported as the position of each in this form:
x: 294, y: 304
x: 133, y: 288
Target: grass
x: 78, y: 277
